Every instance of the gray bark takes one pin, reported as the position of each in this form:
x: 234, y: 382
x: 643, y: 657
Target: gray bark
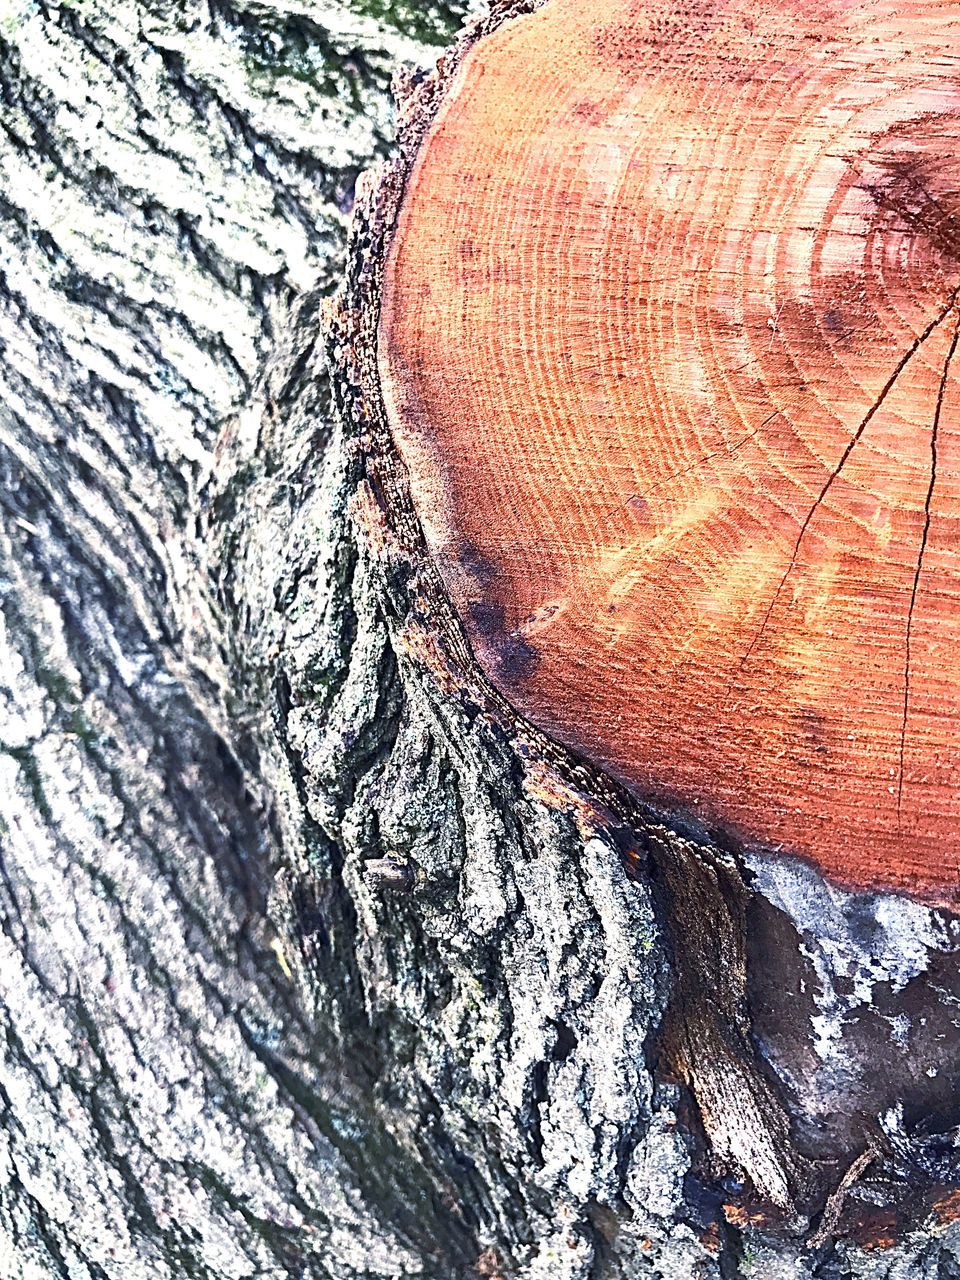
x: 173, y: 174
x: 308, y: 969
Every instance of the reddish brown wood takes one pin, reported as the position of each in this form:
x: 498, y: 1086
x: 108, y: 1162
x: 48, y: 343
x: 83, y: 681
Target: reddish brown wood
x: 668, y: 346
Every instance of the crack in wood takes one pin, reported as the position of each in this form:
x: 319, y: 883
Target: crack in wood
x: 725, y: 452
x: 919, y: 568
x: 851, y: 445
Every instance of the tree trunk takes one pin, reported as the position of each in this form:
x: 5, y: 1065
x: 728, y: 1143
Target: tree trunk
x: 174, y: 175
x: 319, y: 959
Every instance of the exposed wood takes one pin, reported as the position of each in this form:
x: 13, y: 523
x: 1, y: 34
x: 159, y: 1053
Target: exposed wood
x: 667, y: 342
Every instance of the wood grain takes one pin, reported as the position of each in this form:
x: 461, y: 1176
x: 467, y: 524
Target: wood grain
x: 668, y: 344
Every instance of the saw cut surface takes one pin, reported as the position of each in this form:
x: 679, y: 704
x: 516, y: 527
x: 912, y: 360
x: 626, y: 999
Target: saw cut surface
x: 669, y: 346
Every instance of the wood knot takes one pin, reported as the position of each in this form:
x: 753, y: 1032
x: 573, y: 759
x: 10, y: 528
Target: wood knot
x: 911, y: 177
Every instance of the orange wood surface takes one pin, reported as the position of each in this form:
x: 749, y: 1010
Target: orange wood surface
x: 668, y: 345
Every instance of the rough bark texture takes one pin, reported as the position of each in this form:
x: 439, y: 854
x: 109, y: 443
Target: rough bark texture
x: 220, y: 704
x: 172, y: 173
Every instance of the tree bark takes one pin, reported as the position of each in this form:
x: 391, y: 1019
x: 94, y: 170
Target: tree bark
x: 174, y: 175
x: 317, y: 962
